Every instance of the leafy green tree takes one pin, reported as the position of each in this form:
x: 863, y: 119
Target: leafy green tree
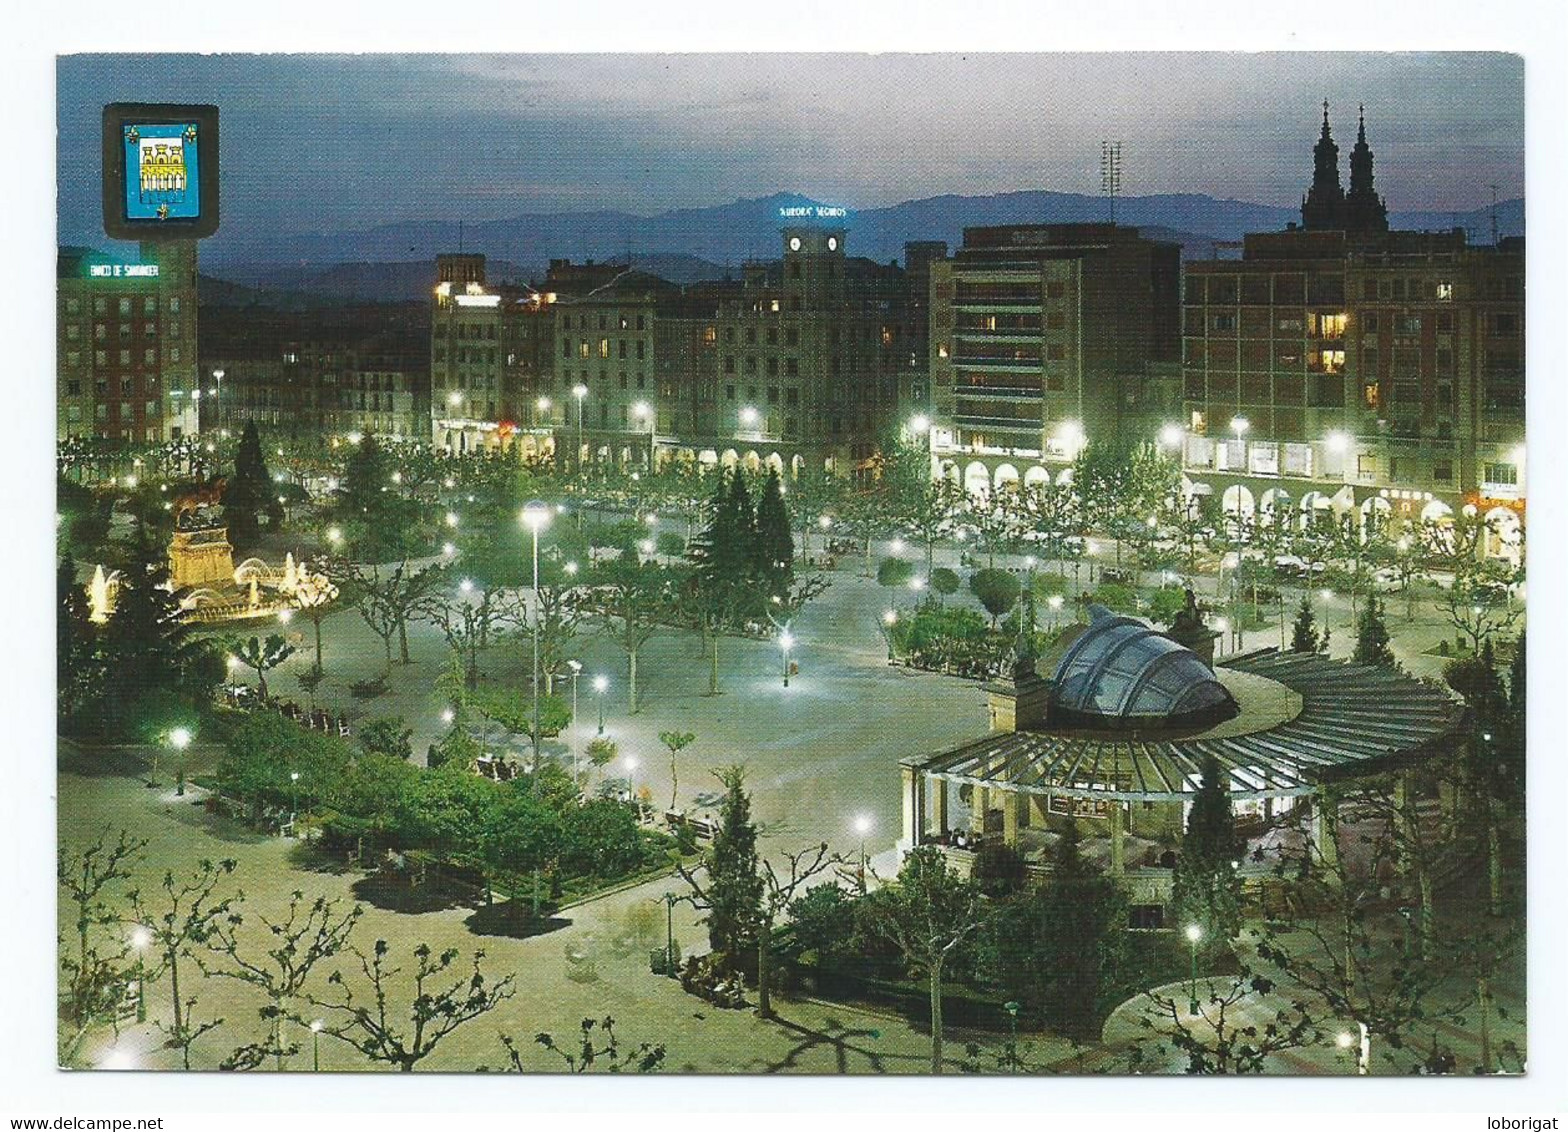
x: 997, y: 591
x: 632, y: 601
x: 927, y: 912
x: 388, y: 598
x: 1121, y: 484
x: 250, y: 493
x: 390, y: 736
x: 1372, y: 640
x: 1061, y: 949
x: 601, y: 838
x: 823, y: 919
x: 944, y: 581
x: 262, y: 656
x: 1206, y: 889
x: 675, y: 742
x: 999, y: 869
x: 894, y: 573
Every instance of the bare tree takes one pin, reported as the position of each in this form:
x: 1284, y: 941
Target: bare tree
x: 437, y: 1008
x: 591, y: 1051
x: 187, y: 915
x: 93, y: 980
x: 927, y: 912
x: 1226, y: 1036
x: 303, y: 938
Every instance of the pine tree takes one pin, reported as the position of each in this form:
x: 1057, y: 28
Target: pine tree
x: 250, y: 492
x: 73, y: 639
x: 734, y: 885
x: 1372, y: 643
x: 774, y: 545
x: 1304, y: 635
x: 740, y: 524
x: 1207, y: 887
x: 145, y: 648
x: 360, y: 492
x: 1516, y: 683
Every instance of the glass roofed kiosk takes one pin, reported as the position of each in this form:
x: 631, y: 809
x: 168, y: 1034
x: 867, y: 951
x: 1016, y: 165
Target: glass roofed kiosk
x: 1114, y: 739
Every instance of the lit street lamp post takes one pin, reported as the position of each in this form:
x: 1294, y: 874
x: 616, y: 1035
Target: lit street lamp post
x: 315, y: 1045
x: 293, y: 794
x: 536, y: 513
x: 863, y: 827
x: 785, y: 641
x: 579, y: 391
x: 1194, y: 934
x: 141, y: 936
x: 576, y: 666
x: 600, y: 683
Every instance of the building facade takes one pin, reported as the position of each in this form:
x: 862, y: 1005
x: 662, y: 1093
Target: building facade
x: 126, y: 344
x: 810, y: 360
x: 1339, y: 369
x: 1042, y: 336
x: 488, y: 362
x: 316, y: 391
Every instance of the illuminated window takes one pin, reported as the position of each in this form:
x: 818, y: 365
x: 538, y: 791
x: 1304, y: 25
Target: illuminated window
x: 1370, y: 392
x: 1445, y: 292
x: 604, y: 347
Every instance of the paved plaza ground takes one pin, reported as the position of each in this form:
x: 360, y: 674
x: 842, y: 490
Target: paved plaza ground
x: 818, y: 755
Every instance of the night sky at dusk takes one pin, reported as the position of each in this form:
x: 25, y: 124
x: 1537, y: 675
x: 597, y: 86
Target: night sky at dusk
x: 314, y: 143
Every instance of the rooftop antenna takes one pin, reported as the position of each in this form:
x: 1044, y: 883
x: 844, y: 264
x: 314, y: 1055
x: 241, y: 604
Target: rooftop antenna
x: 1494, y: 215
x: 1111, y: 172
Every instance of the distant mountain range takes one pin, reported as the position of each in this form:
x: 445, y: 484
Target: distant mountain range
x: 396, y: 261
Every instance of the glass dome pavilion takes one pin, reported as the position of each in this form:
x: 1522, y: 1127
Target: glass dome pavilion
x: 1121, y: 673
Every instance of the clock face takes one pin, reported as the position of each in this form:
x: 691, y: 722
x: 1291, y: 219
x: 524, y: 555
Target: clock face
x: 832, y: 243
x: 794, y: 243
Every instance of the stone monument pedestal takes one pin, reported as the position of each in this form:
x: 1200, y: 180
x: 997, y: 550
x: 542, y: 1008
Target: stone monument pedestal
x: 201, y: 557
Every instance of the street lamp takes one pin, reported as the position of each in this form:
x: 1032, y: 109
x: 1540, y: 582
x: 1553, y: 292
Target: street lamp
x: 576, y: 666
x: 179, y: 739
x: 748, y: 417
x: 862, y: 827
x: 1194, y: 934
x: 1170, y: 436
x: 293, y: 794
x: 919, y: 425
x: 889, y: 619
x: 536, y: 514
x: 579, y: 391
x: 316, y: 1027
x: 785, y: 641
x: 141, y: 937
x: 600, y: 683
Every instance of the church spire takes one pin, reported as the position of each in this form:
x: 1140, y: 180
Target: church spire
x: 1324, y: 204
x: 1364, y: 209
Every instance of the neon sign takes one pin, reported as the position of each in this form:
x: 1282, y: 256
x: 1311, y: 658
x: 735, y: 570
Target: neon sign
x: 812, y: 212
x: 122, y: 271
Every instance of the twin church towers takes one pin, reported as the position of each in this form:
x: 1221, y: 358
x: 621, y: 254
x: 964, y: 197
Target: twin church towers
x: 1327, y: 205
